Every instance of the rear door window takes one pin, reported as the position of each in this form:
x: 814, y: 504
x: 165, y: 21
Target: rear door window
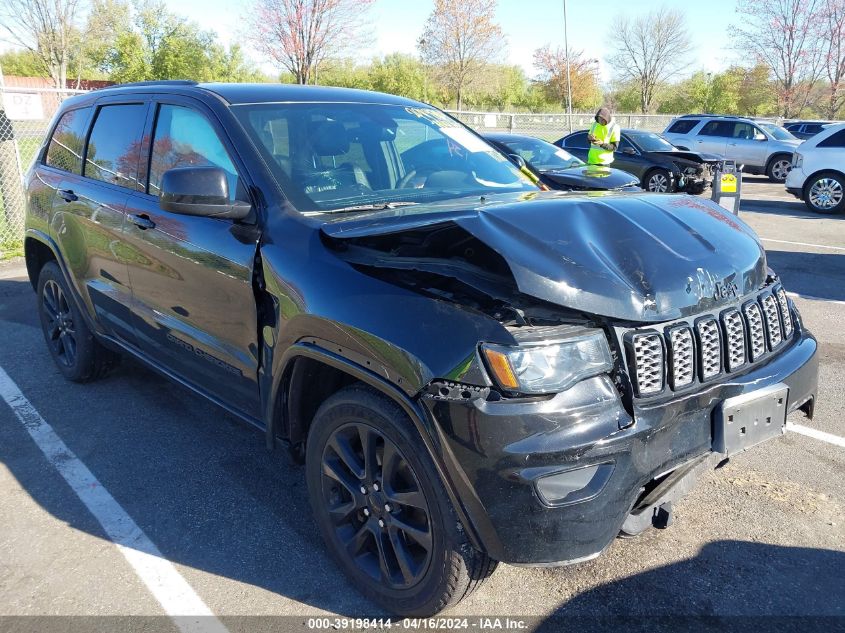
x: 718, y: 128
x: 65, y: 149
x: 185, y: 138
x: 579, y: 140
x: 114, y: 146
x: 683, y: 126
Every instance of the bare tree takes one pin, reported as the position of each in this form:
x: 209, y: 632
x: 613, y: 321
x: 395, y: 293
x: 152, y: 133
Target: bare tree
x: 459, y: 38
x: 45, y: 27
x: 583, y: 75
x: 300, y: 34
x: 833, y: 52
x: 650, y: 50
x: 783, y: 34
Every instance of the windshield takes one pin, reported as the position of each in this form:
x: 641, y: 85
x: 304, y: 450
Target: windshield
x: 541, y: 155
x: 345, y: 157
x: 777, y: 132
x: 650, y: 142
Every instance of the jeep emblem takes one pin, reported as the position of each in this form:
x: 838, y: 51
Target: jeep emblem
x: 725, y: 289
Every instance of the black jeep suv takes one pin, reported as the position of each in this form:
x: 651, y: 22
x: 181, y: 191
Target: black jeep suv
x: 471, y: 369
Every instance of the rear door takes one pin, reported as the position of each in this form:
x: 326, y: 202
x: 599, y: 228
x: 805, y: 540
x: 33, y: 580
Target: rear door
x: 194, y: 308
x: 713, y: 137
x: 88, y: 209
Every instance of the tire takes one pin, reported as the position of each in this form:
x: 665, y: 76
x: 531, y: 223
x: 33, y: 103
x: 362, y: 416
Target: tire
x: 779, y: 167
x: 77, y: 354
x: 658, y: 181
x: 825, y: 193
x: 358, y: 504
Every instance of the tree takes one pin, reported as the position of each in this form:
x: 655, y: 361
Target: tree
x: 46, y: 28
x: 399, y: 74
x: 833, y: 51
x: 783, y: 35
x: 23, y: 63
x: 299, y: 35
x: 583, y: 76
x: 459, y: 38
x: 650, y: 50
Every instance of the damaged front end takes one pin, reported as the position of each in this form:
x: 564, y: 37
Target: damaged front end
x: 584, y: 424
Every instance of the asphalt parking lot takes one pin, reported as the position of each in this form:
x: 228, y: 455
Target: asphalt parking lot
x: 762, y: 536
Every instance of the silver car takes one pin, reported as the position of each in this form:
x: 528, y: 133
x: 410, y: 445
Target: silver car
x: 760, y: 146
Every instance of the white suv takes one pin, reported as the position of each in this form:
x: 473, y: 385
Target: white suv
x: 760, y: 146
x: 818, y: 171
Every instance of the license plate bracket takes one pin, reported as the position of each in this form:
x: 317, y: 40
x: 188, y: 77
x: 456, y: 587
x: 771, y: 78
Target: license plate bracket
x: 744, y: 421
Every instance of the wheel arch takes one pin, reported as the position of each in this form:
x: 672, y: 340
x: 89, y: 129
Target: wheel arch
x: 38, y: 249
x: 326, y: 373
x: 774, y: 157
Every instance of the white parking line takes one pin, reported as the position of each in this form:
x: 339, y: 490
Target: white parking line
x: 832, y: 248
x: 830, y: 438
x: 170, y: 589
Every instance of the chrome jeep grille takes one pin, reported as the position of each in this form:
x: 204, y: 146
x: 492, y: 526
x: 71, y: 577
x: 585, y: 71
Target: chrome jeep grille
x: 734, y: 339
x: 700, y: 349
x: 648, y: 356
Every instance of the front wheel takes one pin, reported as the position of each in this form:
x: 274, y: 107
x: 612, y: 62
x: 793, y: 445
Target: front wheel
x: 382, y: 509
x: 779, y: 168
x: 658, y: 181
x: 825, y: 193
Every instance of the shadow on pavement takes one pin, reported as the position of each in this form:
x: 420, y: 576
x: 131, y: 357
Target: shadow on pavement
x: 819, y: 275
x: 729, y: 585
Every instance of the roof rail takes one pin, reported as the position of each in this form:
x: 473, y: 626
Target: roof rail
x: 158, y: 82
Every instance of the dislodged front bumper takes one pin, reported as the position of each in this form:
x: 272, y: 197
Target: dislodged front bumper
x: 553, y: 481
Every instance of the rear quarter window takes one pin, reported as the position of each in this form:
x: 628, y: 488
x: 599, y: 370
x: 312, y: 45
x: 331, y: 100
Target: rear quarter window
x: 834, y: 140
x: 683, y: 126
x: 68, y: 140
x: 577, y: 140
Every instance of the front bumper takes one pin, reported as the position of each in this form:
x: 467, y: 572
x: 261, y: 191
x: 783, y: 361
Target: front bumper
x: 795, y: 183
x: 498, y: 451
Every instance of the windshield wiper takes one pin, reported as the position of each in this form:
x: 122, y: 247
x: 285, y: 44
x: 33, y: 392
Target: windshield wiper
x: 377, y: 206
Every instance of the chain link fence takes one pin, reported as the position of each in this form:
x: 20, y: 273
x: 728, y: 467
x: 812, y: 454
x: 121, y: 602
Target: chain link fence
x: 25, y: 115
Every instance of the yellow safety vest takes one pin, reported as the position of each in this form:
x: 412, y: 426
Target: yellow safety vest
x: 609, y: 133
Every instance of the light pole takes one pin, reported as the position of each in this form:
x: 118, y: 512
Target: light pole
x: 568, y: 77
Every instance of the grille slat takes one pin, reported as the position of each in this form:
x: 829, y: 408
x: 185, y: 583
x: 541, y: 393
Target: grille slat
x: 785, y: 316
x: 710, y: 348
x: 734, y: 339
x: 648, y: 356
x: 770, y: 312
x: 682, y: 355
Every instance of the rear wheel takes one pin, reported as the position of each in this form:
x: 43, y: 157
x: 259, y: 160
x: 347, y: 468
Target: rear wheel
x: 825, y: 193
x: 779, y: 167
x: 382, y: 509
x: 658, y: 181
x: 75, y: 351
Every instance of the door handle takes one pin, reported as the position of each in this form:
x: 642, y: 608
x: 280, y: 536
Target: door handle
x: 67, y: 195
x: 142, y: 221
x: 732, y: 144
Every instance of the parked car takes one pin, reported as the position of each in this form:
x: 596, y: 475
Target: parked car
x: 558, y: 169
x: 760, y: 147
x: 472, y: 370
x: 805, y: 129
x: 660, y: 166
x: 818, y: 171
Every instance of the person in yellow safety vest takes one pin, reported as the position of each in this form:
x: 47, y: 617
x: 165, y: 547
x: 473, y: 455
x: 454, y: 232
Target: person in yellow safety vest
x: 604, y: 138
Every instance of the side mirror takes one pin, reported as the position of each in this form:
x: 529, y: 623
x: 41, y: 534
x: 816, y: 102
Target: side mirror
x: 202, y: 191
x: 518, y: 160
x: 629, y: 150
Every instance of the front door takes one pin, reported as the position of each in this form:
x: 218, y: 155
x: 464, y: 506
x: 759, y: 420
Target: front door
x: 748, y: 145
x: 194, y: 307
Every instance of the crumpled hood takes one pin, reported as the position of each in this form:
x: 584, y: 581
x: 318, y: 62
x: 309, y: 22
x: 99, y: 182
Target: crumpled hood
x: 636, y: 257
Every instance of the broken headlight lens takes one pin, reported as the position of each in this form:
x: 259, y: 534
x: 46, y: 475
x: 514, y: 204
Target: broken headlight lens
x: 551, y: 366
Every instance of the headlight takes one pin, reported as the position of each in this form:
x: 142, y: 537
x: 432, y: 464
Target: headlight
x: 797, y: 160
x: 552, y: 365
